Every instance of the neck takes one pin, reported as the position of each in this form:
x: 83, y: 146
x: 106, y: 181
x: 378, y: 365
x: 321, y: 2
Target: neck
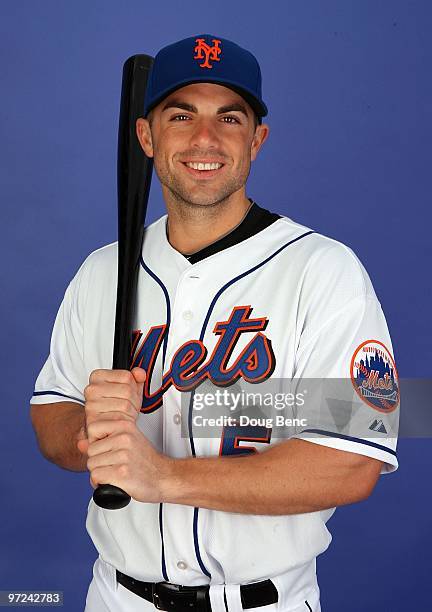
x: 193, y: 227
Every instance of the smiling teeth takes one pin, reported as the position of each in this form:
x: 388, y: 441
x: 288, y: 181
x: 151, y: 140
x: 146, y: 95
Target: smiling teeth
x: 201, y: 166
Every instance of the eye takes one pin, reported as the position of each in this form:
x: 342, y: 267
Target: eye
x: 179, y: 117
x: 230, y: 119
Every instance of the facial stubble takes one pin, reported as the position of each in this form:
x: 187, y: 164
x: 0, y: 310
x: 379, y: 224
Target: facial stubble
x: 205, y: 199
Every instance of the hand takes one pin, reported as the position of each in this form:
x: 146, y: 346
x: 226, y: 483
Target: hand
x: 127, y: 459
x: 111, y: 395
x: 117, y: 450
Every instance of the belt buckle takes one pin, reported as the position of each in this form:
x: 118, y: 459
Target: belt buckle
x: 155, y: 597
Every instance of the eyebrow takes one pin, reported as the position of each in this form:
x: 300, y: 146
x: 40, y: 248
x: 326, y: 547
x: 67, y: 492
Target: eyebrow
x: 229, y: 108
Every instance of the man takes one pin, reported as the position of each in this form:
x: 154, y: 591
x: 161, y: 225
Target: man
x: 232, y: 295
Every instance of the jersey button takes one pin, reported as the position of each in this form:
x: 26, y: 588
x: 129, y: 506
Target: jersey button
x: 182, y: 565
x: 177, y: 418
x: 188, y: 315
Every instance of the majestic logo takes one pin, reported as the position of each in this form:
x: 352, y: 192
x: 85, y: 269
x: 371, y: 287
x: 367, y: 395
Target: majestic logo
x: 374, y: 376
x: 378, y: 425
x: 189, y: 367
x: 208, y: 53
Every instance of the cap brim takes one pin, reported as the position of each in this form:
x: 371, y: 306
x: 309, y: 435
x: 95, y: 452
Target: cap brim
x: 258, y: 106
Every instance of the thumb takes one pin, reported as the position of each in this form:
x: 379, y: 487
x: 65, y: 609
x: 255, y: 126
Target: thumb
x: 140, y: 376
x: 83, y: 446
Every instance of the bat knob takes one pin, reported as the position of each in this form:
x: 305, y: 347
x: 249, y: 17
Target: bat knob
x: 110, y: 497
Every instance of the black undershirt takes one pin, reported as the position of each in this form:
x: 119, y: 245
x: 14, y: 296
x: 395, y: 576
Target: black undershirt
x: 255, y: 221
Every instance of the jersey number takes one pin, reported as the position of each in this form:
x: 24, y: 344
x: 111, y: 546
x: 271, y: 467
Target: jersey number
x: 234, y: 436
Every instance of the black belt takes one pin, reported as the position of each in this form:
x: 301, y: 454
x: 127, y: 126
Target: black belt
x: 167, y: 596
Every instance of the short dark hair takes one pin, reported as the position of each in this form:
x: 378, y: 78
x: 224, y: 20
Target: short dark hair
x: 258, y: 120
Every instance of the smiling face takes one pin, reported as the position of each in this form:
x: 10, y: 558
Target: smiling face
x: 203, y: 138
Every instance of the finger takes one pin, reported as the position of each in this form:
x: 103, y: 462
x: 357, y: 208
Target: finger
x: 119, y: 390
x: 115, y: 441
x: 93, y: 407
x: 109, y: 416
x: 117, y: 417
x: 140, y: 377
x: 115, y: 475
x: 111, y: 376
x: 112, y: 457
x: 101, y: 428
x: 117, y: 376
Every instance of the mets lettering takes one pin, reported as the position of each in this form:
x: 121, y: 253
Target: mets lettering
x: 374, y: 382
x: 203, y: 50
x: 188, y: 367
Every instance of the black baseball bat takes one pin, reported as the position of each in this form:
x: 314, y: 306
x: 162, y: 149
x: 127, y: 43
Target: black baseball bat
x: 134, y: 172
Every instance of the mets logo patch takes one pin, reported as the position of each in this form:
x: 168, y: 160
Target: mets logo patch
x: 374, y: 376
x: 207, y: 53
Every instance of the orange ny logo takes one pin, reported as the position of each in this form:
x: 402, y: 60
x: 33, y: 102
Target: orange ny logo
x: 207, y: 53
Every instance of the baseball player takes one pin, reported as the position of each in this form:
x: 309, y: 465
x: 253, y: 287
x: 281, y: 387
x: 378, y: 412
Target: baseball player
x: 230, y: 296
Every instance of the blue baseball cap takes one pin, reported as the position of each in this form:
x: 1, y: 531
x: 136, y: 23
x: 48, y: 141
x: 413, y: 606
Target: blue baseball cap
x: 205, y: 59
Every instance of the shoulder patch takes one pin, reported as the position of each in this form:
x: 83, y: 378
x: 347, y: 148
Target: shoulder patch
x: 374, y: 376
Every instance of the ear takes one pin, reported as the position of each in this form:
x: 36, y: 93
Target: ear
x: 144, y: 136
x: 261, y: 134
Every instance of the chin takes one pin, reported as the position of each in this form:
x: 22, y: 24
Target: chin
x: 207, y: 200
x: 202, y: 202
x: 199, y: 197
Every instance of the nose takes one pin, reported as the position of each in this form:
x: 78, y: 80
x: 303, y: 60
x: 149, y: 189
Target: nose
x: 205, y: 135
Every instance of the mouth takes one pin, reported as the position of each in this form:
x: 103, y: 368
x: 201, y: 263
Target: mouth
x: 203, y: 170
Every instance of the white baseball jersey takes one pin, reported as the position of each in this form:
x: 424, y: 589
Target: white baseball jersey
x: 286, y: 303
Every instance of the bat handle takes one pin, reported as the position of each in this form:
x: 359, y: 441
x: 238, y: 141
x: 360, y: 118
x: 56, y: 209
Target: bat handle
x: 110, y: 497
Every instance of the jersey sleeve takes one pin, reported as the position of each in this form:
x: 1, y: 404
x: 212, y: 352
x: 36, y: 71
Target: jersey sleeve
x: 63, y: 376
x: 345, y: 361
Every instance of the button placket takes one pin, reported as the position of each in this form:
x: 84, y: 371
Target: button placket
x: 184, y: 314
x: 185, y: 317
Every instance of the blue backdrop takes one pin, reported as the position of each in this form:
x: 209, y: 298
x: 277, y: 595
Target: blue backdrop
x: 349, y: 91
